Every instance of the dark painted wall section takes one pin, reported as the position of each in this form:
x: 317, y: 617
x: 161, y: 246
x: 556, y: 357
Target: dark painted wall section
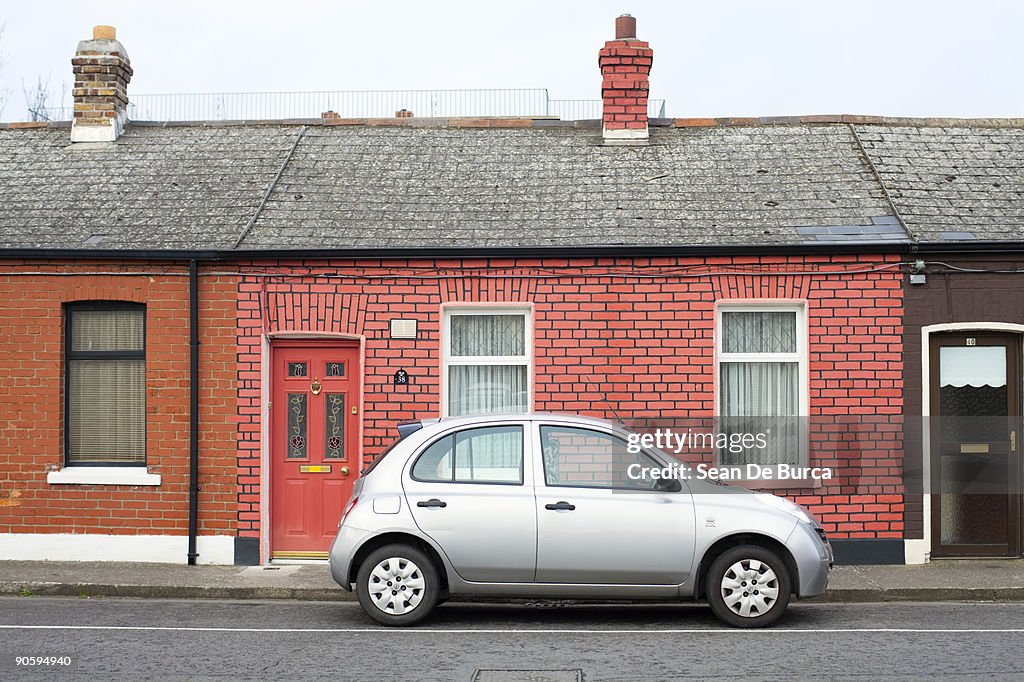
x: 871, y: 551
x: 948, y: 296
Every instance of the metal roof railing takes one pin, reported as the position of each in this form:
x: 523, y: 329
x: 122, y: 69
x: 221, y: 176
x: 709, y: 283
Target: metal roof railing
x: 251, y: 106
x: 585, y: 109
x: 262, y: 106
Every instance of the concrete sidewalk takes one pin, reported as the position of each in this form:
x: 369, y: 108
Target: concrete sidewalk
x: 943, y: 580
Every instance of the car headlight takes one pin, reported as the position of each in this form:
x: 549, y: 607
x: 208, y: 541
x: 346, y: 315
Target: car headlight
x: 791, y: 508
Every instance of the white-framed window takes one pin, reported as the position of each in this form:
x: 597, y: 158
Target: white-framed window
x: 486, y: 360
x: 104, y: 396
x: 105, y: 392
x: 761, y: 351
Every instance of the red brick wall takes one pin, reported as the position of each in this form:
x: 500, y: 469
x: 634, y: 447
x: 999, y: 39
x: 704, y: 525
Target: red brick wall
x: 641, y: 331
x: 31, y: 401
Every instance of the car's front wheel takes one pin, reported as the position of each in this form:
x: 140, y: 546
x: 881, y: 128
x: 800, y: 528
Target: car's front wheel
x: 748, y: 587
x: 397, y: 585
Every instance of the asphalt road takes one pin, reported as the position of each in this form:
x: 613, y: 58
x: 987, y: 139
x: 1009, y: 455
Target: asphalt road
x: 165, y: 639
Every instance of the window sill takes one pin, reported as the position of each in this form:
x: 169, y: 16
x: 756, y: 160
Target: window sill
x: 102, y: 476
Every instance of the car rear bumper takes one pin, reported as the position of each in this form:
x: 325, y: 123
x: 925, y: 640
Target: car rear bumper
x: 343, y: 551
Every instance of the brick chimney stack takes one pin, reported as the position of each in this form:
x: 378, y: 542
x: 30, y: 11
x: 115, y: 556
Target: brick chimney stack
x: 625, y: 68
x: 102, y: 72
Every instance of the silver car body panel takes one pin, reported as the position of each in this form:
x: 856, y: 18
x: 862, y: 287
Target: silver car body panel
x: 488, y: 531
x: 656, y: 540
x: 614, y: 537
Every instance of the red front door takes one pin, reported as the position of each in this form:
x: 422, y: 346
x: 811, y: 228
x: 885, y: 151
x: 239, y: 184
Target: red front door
x: 314, y: 418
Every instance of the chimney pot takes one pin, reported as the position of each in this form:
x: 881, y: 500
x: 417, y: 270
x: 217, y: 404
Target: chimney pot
x: 403, y: 113
x: 104, y: 33
x: 625, y: 27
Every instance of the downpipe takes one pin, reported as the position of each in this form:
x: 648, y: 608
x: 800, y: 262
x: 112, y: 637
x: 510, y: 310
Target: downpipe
x: 193, y: 410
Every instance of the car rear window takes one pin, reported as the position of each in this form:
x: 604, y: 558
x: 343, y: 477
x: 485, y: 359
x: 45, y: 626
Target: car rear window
x: 404, y: 429
x: 377, y: 460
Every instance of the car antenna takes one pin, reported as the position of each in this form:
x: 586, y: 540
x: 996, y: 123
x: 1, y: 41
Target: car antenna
x: 605, y: 399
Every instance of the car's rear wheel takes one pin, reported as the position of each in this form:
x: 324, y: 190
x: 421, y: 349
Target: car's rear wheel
x: 748, y: 587
x: 397, y: 585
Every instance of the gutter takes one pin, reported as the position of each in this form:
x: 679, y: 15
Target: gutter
x: 109, y: 254
x: 193, y: 410
x: 585, y: 251
x: 978, y: 247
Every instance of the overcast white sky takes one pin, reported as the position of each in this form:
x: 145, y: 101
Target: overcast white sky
x: 738, y: 58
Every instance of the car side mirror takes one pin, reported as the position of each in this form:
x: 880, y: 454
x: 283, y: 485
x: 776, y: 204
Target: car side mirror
x: 668, y: 485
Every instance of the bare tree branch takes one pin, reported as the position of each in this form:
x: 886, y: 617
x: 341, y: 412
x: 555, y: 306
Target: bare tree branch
x: 37, y: 98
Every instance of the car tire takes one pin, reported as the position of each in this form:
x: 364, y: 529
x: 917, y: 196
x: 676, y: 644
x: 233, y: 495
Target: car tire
x: 748, y: 587
x: 380, y: 588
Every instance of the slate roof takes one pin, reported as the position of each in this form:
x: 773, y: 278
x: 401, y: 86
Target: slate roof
x: 952, y: 183
x: 422, y: 183
x: 393, y: 187
x: 156, y: 188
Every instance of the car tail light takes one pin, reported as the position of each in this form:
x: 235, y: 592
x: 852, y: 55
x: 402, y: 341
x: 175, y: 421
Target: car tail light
x: 821, y: 534
x: 348, y: 508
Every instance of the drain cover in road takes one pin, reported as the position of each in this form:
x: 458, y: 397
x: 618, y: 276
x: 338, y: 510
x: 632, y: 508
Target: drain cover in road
x: 528, y: 675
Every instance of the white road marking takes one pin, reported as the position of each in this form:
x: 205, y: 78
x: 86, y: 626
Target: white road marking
x: 519, y: 631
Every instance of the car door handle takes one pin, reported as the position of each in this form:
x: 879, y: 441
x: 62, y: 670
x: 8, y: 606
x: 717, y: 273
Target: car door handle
x: 560, y: 506
x: 432, y: 503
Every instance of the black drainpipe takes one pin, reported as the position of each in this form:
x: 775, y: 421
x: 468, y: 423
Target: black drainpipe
x: 193, y: 410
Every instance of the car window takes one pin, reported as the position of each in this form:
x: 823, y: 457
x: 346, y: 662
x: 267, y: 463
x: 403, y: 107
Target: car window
x: 492, y: 454
x: 435, y: 464
x: 584, y: 458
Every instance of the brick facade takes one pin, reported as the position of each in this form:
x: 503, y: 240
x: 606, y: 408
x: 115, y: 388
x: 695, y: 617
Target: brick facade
x: 638, y: 331
x: 635, y: 333
x: 32, y: 296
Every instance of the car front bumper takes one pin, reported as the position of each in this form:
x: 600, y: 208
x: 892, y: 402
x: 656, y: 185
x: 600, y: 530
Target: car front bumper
x: 814, y: 558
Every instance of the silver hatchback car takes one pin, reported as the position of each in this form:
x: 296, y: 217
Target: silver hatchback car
x: 552, y: 506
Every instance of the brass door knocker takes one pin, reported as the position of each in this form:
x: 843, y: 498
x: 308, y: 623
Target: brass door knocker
x: 315, y: 386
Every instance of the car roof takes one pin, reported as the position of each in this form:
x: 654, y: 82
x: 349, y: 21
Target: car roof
x: 520, y: 416
x: 411, y: 442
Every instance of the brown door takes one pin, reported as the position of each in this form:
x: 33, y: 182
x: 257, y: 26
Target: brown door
x: 974, y: 429
x: 314, y: 444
